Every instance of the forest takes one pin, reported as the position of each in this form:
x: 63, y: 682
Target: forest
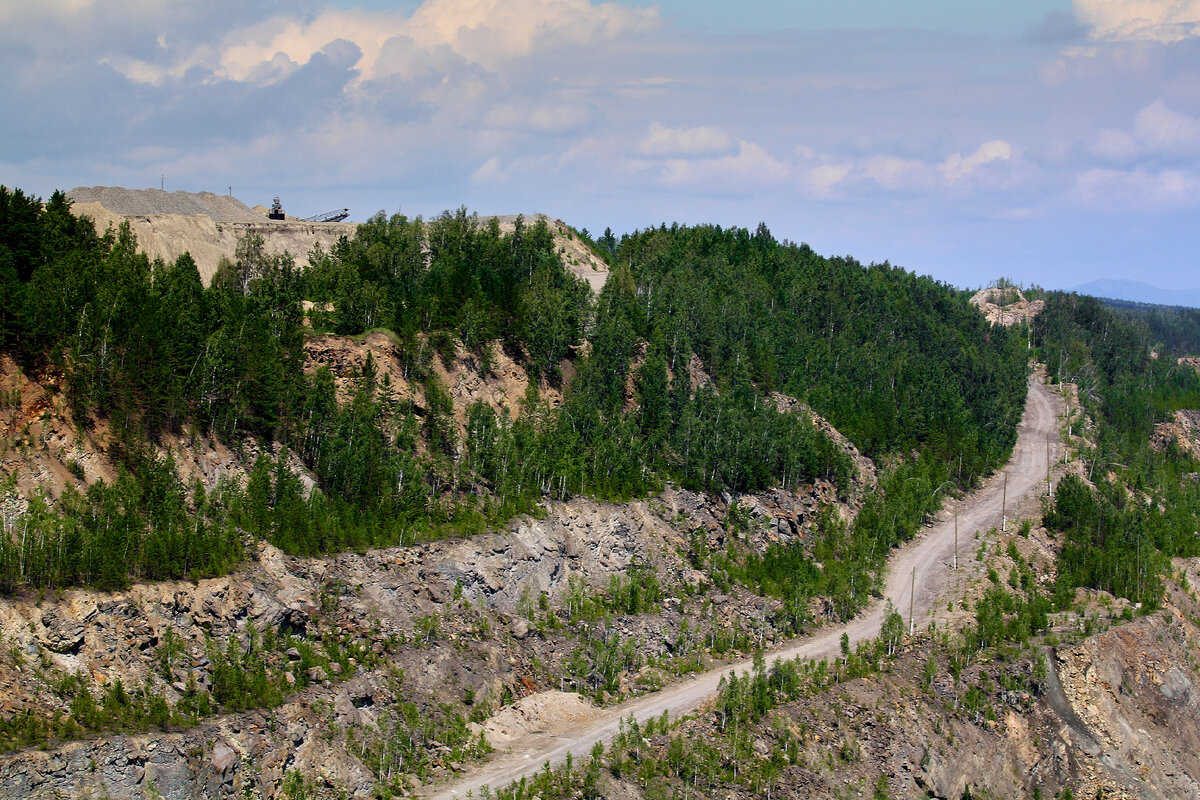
x: 899, y: 363
x: 1134, y: 507
x: 1175, y: 328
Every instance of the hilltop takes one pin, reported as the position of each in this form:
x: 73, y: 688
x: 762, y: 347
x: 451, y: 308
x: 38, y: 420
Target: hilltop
x: 208, y: 226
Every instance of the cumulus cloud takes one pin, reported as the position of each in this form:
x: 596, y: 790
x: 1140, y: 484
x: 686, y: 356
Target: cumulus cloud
x: 824, y: 177
x: 1164, y: 21
x: 957, y: 166
x: 699, y: 142
x: 1165, y: 130
x: 486, y: 32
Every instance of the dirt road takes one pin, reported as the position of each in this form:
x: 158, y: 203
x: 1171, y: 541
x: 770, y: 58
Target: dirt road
x: 926, y: 562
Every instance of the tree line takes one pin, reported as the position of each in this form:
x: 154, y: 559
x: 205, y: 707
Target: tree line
x: 1135, y: 508
x: 900, y: 363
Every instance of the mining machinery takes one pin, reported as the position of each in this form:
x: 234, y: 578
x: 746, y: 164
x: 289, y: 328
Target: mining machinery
x: 329, y: 216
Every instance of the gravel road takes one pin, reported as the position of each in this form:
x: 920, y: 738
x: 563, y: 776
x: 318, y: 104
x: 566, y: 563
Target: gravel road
x: 926, y: 562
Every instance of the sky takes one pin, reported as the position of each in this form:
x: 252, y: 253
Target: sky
x: 1052, y: 142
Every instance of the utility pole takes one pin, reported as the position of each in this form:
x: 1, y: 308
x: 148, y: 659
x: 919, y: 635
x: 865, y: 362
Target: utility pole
x: 1004, y: 505
x: 1049, y: 485
x: 912, y: 595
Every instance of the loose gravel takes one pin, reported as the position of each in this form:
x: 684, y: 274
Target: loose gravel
x: 144, y: 202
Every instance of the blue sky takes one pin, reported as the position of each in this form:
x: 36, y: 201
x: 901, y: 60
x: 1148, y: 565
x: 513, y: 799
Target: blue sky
x: 1048, y: 142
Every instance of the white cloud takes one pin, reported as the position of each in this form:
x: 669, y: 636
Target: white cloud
x: 1157, y: 131
x: 700, y: 142
x: 824, y: 177
x: 895, y: 173
x: 1164, y: 130
x: 552, y: 118
x: 1136, y: 190
x: 957, y: 166
x: 1115, y: 145
x: 1165, y: 21
x: 752, y: 165
x: 490, y: 30
x: 486, y: 32
x: 489, y: 171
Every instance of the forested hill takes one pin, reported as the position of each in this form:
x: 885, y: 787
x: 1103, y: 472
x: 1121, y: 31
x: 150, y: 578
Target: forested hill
x: 896, y: 361
x: 1176, y: 328
x: 1131, y: 501
x: 665, y: 376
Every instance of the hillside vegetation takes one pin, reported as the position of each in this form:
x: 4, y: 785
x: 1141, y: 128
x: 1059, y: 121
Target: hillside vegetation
x: 723, y: 445
x: 1126, y: 509
x: 1029, y: 693
x: 902, y: 364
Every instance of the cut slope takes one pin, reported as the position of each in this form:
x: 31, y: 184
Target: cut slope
x: 206, y: 225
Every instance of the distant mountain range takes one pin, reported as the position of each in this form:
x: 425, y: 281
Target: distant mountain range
x: 1123, y: 289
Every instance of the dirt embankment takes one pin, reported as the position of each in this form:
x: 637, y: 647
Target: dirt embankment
x: 44, y: 449
x: 502, y: 386
x: 577, y: 257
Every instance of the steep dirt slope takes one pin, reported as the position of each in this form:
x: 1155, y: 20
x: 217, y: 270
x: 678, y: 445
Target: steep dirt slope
x: 44, y: 449
x: 502, y: 386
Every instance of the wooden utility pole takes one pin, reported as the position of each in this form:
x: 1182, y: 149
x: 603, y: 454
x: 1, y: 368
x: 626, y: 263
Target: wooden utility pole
x: 1004, y: 505
x: 1049, y: 485
x: 912, y: 596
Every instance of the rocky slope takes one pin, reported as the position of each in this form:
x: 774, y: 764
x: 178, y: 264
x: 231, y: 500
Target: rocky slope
x: 482, y: 633
x: 1103, y: 707
x: 1006, y: 305
x: 456, y: 628
x: 453, y: 618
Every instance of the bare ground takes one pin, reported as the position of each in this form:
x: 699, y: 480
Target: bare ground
x: 925, y: 564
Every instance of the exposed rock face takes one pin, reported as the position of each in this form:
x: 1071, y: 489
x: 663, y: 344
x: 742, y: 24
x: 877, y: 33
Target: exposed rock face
x: 493, y: 579
x: 1183, y: 430
x: 45, y: 450
x: 1124, y: 718
x: 1006, y: 306
x: 1111, y: 715
x: 866, y: 480
x: 503, y: 387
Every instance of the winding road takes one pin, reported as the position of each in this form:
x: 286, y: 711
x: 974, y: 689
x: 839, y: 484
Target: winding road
x: 926, y: 563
